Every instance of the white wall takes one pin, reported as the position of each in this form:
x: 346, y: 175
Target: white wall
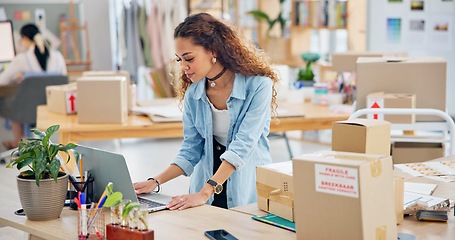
x: 378, y: 11
x: 96, y: 13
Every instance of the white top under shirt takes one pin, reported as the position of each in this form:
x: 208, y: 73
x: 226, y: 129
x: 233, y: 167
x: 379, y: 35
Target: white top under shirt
x: 27, y: 62
x: 220, y: 124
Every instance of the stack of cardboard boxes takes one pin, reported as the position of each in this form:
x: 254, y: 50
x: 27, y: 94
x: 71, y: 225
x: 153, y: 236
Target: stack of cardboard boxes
x: 347, y: 193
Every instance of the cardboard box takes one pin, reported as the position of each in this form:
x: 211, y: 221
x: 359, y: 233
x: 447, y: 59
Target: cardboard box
x: 361, y: 136
x: 346, y: 61
x: 102, y: 99
x: 131, y: 89
x: 423, y: 76
x: 275, y: 189
x: 62, y: 98
x: 392, y: 100
x: 409, y: 152
x: 344, y: 196
x: 398, y: 189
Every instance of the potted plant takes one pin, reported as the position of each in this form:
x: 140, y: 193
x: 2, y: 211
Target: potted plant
x: 42, y: 186
x: 277, y: 47
x: 262, y: 16
x: 306, y: 75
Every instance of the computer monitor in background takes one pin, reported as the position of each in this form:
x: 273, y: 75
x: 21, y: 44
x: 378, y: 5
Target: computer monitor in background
x: 7, y: 51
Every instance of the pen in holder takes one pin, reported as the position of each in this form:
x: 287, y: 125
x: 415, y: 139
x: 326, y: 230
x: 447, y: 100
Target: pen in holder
x: 80, y: 186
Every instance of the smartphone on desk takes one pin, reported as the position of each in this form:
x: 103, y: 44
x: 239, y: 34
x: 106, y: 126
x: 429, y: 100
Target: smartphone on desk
x: 220, y: 234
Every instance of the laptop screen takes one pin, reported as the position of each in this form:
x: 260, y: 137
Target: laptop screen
x: 107, y: 167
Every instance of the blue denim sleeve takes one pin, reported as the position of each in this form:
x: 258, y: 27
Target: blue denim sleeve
x: 255, y: 123
x: 192, y: 146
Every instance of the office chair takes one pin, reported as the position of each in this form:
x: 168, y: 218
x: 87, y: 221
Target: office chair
x: 31, y: 92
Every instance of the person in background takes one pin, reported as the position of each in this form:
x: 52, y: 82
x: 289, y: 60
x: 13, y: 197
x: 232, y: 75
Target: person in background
x: 36, y: 59
x: 227, y: 88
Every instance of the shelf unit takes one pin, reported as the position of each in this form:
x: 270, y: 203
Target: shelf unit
x: 352, y: 20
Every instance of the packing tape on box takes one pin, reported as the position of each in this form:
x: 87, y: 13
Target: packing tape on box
x: 381, y: 233
x: 375, y: 164
x: 275, y: 194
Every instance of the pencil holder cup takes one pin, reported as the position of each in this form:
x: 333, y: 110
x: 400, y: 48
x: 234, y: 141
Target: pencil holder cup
x: 91, y: 224
x: 80, y: 186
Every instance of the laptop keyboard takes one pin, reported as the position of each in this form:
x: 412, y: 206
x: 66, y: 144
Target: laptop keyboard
x: 150, y: 203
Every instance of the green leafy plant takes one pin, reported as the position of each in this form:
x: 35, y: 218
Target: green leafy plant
x: 40, y: 155
x: 306, y: 74
x: 262, y: 16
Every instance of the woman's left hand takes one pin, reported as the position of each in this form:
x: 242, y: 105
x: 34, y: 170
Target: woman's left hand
x: 187, y: 201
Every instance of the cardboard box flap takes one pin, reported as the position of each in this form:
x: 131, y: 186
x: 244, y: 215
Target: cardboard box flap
x: 275, y: 194
x: 363, y: 122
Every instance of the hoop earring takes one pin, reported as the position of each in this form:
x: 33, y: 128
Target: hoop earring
x: 214, y: 60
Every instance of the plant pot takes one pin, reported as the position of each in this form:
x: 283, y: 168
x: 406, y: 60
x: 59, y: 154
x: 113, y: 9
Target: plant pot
x: 44, y: 202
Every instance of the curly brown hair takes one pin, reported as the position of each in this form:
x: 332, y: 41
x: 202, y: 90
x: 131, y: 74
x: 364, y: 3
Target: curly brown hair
x: 232, y: 50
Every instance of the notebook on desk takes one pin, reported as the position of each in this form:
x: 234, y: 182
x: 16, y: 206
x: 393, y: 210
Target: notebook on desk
x: 108, y: 167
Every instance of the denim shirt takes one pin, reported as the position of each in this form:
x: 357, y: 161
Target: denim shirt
x: 247, y: 143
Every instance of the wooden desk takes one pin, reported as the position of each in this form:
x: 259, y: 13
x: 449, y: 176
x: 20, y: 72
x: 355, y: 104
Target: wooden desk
x: 187, y: 224
x: 410, y: 225
x: 315, y: 118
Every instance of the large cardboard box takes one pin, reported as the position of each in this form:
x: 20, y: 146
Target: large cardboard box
x: 361, y: 136
x: 392, y: 100
x: 344, y: 196
x: 102, y: 99
x: 62, y: 98
x: 423, y: 76
x: 275, y: 189
x: 346, y: 61
x: 409, y: 152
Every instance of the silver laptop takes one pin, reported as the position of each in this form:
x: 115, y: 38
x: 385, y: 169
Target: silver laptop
x: 108, y: 167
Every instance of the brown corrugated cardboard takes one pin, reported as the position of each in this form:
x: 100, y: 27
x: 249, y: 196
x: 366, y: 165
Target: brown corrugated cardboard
x: 346, y: 61
x: 344, y: 196
x: 392, y: 100
x: 62, y: 98
x: 408, y: 152
x: 102, y: 99
x: 424, y: 76
x: 131, y: 89
x: 398, y: 189
x: 361, y: 136
x: 275, y: 189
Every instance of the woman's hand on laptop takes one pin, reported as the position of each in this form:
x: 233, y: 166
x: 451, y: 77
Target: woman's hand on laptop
x: 144, y: 187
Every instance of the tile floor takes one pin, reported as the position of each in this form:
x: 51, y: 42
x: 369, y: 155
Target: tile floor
x: 148, y: 157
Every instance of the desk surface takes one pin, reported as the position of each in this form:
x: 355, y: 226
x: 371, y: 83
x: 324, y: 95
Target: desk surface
x: 315, y: 118
x: 187, y: 224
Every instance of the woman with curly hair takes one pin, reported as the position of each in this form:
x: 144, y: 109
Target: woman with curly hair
x: 228, y: 94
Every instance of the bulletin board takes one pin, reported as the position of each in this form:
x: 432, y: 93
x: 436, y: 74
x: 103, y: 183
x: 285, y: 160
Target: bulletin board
x: 418, y: 27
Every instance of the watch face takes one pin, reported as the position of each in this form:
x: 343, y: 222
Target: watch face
x: 218, y: 188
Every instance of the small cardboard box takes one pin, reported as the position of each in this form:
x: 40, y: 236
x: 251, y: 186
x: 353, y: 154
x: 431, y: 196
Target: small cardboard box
x: 409, y: 152
x: 62, y: 98
x: 361, y: 136
x: 275, y: 189
x: 346, y: 61
x: 102, y: 99
x: 392, y: 100
x: 344, y: 196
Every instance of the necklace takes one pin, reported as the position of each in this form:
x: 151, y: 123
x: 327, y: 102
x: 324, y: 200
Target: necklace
x: 212, y: 80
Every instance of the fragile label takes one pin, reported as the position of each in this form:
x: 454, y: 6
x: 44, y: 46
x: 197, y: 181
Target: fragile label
x: 337, y: 180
